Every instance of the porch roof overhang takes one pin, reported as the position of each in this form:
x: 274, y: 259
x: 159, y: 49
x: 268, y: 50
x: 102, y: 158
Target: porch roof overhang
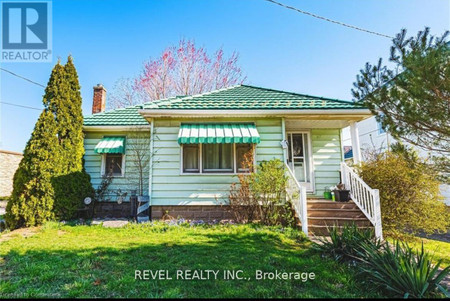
x: 337, y: 114
x: 209, y: 133
x: 335, y: 118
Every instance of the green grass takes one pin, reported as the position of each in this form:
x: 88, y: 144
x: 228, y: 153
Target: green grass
x: 92, y: 261
x: 439, y: 249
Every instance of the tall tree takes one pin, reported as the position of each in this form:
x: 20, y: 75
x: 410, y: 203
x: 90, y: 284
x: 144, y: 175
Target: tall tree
x: 185, y: 69
x: 63, y: 99
x: 32, y: 198
x: 70, y: 125
x: 412, y: 97
x: 44, y: 182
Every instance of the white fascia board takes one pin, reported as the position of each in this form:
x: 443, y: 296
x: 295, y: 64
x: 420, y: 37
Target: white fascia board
x: 112, y: 128
x: 363, y: 113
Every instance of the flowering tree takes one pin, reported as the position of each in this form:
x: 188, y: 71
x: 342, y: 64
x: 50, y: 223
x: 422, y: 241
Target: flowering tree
x: 185, y: 69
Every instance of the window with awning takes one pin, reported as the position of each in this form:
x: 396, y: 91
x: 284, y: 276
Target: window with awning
x: 216, y: 148
x: 112, y: 150
x: 214, y: 133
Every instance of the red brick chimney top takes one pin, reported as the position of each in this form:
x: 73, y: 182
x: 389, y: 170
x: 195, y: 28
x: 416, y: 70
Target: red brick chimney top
x: 99, y: 99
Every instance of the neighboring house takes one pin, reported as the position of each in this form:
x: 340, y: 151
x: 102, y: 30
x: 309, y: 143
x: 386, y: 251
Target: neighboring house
x: 198, y: 144
x: 9, y: 162
x: 373, y: 136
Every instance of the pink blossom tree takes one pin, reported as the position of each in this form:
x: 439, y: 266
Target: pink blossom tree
x: 185, y: 69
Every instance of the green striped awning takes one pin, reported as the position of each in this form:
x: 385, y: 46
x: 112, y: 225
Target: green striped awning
x: 218, y: 133
x: 111, y: 145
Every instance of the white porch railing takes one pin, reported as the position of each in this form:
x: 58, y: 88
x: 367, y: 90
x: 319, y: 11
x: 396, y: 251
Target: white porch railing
x: 366, y: 198
x: 297, y: 195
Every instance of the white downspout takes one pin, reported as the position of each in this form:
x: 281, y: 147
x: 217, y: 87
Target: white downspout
x: 150, y: 176
x: 283, y: 132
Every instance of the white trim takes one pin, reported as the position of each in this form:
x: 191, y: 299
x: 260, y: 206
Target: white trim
x: 108, y: 128
x: 122, y: 168
x: 361, y: 113
x: 283, y: 133
x: 200, y: 160
x: 356, y: 149
x: 150, y: 172
x: 309, y: 159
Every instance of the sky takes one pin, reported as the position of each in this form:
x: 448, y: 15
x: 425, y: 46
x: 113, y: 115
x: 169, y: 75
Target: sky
x: 278, y: 48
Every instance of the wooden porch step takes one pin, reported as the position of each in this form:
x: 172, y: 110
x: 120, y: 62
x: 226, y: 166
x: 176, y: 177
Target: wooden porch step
x: 325, y: 204
x: 338, y: 221
x: 325, y: 212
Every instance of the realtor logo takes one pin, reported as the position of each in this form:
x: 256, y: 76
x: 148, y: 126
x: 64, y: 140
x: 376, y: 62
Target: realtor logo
x: 26, y: 31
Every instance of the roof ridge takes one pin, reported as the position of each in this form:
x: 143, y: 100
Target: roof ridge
x: 211, y: 92
x: 299, y: 94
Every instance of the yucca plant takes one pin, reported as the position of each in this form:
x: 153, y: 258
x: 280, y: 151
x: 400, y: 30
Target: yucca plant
x: 345, y: 243
x: 403, y: 271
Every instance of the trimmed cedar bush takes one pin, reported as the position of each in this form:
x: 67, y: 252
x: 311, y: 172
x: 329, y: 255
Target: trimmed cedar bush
x: 409, y: 193
x: 55, y: 150
x: 70, y: 191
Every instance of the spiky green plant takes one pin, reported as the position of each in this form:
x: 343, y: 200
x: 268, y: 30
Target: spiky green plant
x: 345, y: 243
x: 403, y: 271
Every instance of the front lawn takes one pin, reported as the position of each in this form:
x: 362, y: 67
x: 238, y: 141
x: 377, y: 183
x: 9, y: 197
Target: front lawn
x: 92, y: 261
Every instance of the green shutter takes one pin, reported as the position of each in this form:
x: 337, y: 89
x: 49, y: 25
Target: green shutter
x: 209, y: 133
x: 111, y: 145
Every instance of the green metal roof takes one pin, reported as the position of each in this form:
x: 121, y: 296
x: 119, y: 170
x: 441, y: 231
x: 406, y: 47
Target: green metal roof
x: 208, y: 133
x: 245, y: 97
x: 242, y: 97
x: 121, y: 117
x: 110, y: 145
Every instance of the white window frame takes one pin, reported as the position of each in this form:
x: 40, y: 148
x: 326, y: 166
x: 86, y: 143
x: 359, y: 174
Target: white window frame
x: 122, y: 168
x: 200, y: 160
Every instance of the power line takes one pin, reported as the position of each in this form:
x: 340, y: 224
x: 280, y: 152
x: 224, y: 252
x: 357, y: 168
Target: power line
x: 28, y: 80
x: 329, y: 20
x: 22, y: 77
x: 21, y: 106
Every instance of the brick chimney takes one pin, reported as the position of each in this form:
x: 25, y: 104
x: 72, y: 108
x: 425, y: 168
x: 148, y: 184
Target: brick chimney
x: 99, y: 99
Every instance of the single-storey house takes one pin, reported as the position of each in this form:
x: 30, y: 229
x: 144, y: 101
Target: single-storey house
x: 197, y: 143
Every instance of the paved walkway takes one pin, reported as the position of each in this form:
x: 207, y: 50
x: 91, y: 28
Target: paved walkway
x: 110, y: 222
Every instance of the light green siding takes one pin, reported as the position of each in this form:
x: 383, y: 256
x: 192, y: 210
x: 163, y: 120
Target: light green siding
x: 93, y: 162
x: 169, y: 187
x: 326, y: 150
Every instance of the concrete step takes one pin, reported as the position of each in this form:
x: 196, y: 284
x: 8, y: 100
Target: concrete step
x: 325, y: 212
x: 338, y: 221
x: 323, y: 204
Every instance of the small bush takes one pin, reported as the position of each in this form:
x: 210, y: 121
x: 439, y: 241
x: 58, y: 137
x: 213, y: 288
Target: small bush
x: 30, y: 205
x: 70, y: 191
x: 347, y: 243
x: 409, y: 193
x: 401, y: 271
x: 260, y: 195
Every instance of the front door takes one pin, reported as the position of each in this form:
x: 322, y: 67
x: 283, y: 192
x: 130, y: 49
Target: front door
x: 299, y: 158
